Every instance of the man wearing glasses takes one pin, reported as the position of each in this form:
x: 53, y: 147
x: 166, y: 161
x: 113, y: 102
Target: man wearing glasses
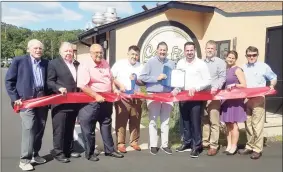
x: 256, y: 74
x: 94, y: 76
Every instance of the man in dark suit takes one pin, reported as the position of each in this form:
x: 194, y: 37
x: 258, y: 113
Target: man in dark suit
x: 62, y: 78
x: 26, y: 79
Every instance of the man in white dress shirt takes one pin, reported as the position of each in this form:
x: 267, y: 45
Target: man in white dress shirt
x: 197, y: 79
x: 126, y: 71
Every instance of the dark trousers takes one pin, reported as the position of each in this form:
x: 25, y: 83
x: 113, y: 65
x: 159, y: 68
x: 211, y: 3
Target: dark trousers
x: 191, y: 117
x: 63, y: 121
x: 89, y: 115
x: 181, y: 128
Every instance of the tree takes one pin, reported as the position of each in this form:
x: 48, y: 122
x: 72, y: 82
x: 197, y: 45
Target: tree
x: 14, y: 40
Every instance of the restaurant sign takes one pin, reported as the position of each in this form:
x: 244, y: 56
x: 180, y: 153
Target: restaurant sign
x: 174, y: 37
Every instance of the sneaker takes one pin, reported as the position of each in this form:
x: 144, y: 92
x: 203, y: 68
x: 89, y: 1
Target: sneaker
x: 194, y: 154
x: 26, y: 166
x: 183, y: 148
x: 167, y: 150
x: 153, y: 150
x: 39, y: 160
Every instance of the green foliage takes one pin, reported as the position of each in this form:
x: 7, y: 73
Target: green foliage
x: 14, y: 40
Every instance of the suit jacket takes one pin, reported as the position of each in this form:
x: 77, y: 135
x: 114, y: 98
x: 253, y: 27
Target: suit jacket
x: 19, y: 79
x: 59, y: 75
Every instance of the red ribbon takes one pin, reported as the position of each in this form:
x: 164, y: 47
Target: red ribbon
x: 162, y: 97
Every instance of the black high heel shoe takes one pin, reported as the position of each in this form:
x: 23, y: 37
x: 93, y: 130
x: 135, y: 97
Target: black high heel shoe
x: 225, y: 152
x: 232, y: 153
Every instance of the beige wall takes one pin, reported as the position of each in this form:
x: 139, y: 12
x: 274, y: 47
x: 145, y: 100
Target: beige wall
x: 129, y: 35
x: 205, y: 26
x: 82, y: 50
x: 248, y: 30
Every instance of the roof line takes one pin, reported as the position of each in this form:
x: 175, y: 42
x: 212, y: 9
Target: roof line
x: 134, y: 18
x: 170, y: 5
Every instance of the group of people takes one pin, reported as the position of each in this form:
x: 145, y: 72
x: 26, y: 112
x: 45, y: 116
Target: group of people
x: 31, y: 76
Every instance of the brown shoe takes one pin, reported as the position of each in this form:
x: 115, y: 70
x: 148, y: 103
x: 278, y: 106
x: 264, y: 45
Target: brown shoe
x: 256, y: 155
x: 136, y: 147
x: 122, y: 149
x: 212, y: 152
x: 245, y: 151
x: 205, y: 146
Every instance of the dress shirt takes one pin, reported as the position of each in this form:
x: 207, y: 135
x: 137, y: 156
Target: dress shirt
x: 97, y: 76
x: 72, y: 68
x: 123, y: 69
x: 37, y: 72
x: 150, y: 72
x: 257, y: 74
x: 217, y: 69
x: 197, y: 74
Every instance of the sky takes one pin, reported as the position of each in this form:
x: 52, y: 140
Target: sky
x: 60, y: 15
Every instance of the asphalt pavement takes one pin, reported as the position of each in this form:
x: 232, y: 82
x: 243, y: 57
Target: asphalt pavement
x: 133, y: 162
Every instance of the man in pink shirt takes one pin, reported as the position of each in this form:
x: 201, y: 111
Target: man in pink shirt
x: 94, y: 76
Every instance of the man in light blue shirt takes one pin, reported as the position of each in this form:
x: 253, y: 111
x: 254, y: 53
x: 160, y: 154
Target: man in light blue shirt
x: 256, y: 73
x: 152, y: 75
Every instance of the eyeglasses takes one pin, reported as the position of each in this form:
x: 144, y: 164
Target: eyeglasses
x: 95, y: 52
x: 252, y: 55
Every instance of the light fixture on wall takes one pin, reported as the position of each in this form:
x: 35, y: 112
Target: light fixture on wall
x: 105, y: 44
x: 234, y: 43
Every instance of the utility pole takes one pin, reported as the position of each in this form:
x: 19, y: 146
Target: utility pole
x: 5, y: 32
x: 51, y: 50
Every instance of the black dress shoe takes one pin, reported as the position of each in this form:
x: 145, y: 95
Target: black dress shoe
x: 62, y: 158
x: 93, y: 158
x: 114, y: 154
x: 75, y: 155
x: 256, y: 155
x: 245, y: 152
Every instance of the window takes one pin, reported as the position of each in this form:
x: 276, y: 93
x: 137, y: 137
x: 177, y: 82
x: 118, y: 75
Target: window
x: 222, y: 48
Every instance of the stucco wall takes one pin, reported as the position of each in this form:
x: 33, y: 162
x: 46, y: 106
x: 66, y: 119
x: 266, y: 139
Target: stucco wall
x: 129, y: 35
x: 82, y: 50
x: 247, y: 30
x: 205, y: 26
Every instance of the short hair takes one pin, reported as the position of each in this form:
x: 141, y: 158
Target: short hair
x: 190, y: 43
x: 251, y: 49
x: 234, y: 53
x: 162, y: 43
x: 134, y: 47
x: 65, y: 44
x: 211, y: 42
x: 33, y: 42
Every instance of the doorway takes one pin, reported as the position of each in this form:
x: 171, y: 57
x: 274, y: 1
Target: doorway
x: 274, y: 60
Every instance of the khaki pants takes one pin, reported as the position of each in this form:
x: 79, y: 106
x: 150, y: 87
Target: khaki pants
x: 127, y: 109
x: 211, y: 124
x: 255, y: 123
